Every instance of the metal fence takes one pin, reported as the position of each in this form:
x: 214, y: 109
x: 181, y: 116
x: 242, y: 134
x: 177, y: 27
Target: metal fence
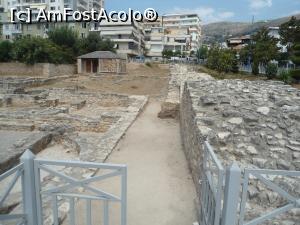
x: 35, y: 194
x: 224, y: 195
x: 262, y: 69
x: 261, y: 175
x: 211, y: 188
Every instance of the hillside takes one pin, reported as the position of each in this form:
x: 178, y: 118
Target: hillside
x: 221, y: 30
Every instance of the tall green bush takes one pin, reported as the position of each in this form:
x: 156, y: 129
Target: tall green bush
x: 255, y: 67
x: 285, y: 76
x: 296, y: 60
x: 66, y: 38
x: 6, y: 53
x: 271, y: 70
x: 31, y: 50
x: 221, y: 60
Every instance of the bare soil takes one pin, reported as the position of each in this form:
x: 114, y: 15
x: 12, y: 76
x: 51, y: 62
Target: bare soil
x: 139, y: 80
x: 160, y: 187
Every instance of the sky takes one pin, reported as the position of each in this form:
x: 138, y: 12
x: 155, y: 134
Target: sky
x: 214, y: 10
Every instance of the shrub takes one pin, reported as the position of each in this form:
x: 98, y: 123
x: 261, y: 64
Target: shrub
x: 148, y: 64
x: 220, y: 60
x: 32, y: 50
x: 235, y: 66
x: 255, y: 68
x: 271, y: 70
x: 65, y: 37
x: 295, y: 74
x: 296, y: 59
x: 6, y: 51
x: 285, y: 76
x: 167, y: 54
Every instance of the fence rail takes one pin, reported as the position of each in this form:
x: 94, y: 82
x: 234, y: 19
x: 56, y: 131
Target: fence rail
x: 293, y: 202
x: 226, y: 204
x: 211, y: 187
x: 17, y: 173
x: 35, y: 194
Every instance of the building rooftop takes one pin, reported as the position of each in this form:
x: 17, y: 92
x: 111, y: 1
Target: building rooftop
x: 100, y: 55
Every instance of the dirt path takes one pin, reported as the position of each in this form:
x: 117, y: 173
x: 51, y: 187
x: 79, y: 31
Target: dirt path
x: 160, y: 187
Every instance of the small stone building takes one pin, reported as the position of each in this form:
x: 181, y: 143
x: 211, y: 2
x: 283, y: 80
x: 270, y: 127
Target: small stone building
x: 101, y: 62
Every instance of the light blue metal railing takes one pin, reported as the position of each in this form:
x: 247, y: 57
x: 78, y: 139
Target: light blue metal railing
x: 260, y: 174
x: 211, y: 187
x: 35, y: 193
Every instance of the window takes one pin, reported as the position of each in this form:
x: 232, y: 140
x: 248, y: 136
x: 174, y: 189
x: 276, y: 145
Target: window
x: 83, y: 25
x: 52, y: 0
x: 7, y: 37
x: 83, y: 35
x: 52, y: 8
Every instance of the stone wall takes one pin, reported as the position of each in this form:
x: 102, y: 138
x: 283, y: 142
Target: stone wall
x: 112, y: 66
x: 37, y: 70
x: 253, y: 123
x: 52, y: 70
x: 178, y: 75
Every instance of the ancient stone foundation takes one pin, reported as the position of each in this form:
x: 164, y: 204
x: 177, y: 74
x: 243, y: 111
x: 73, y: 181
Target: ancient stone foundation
x: 253, y: 123
x: 178, y: 75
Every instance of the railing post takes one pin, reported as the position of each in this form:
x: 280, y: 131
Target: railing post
x: 124, y: 197
x: 28, y: 186
x: 231, y: 195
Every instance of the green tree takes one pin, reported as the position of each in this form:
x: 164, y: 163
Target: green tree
x: 296, y: 60
x: 290, y: 31
x: 221, y: 60
x: 255, y: 67
x: 167, y: 54
x: 93, y: 42
x: 271, y: 70
x: 6, y: 51
x: 66, y: 38
x: 31, y: 50
x: 177, y: 53
x: 290, y: 35
x: 202, y: 52
x: 265, y: 47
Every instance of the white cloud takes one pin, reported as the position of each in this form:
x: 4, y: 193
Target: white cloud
x: 206, y: 14
x: 259, y: 4
x: 294, y: 12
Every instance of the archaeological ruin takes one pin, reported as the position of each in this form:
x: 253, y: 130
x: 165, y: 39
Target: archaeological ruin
x: 252, y: 124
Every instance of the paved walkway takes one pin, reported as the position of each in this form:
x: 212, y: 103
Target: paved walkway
x: 160, y: 187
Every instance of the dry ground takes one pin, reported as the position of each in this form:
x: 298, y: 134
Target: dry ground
x: 139, y: 80
x: 160, y: 187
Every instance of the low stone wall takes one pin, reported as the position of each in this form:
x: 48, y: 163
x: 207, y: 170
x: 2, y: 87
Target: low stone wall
x: 178, y: 75
x: 36, y: 70
x: 253, y: 123
x: 52, y: 70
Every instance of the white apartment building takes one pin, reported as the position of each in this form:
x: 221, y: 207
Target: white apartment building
x: 274, y: 32
x: 154, y: 39
x: 127, y: 36
x: 176, y: 32
x: 10, y: 31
